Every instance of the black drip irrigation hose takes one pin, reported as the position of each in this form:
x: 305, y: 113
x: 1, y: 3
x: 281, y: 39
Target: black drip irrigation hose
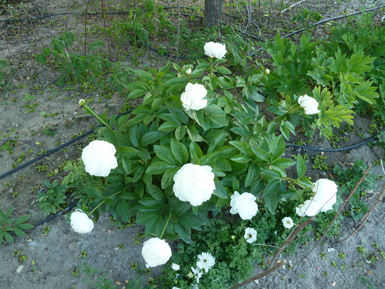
x: 37, y: 8
x: 56, y: 149
x: 90, y: 131
x: 322, y: 22
x: 52, y: 217
x: 332, y: 150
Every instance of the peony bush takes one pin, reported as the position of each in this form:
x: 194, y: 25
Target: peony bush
x: 199, y: 146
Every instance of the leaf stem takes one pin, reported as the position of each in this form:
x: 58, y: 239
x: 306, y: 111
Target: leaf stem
x: 102, y: 203
x: 102, y: 121
x: 164, y: 229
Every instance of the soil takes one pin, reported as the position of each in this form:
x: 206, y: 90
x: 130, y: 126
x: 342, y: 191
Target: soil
x: 52, y: 257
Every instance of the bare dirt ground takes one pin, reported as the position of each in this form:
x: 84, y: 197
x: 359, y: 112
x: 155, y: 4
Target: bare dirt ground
x: 51, y: 258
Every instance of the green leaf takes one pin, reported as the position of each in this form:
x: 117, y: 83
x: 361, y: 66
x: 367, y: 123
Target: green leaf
x: 209, y: 159
x: 243, y: 147
x: 155, y: 192
x: 184, y: 232
x: 134, y: 136
x: 123, y: 209
x: 223, y: 70
x: 128, y: 152
x: 168, y: 126
x: 252, y: 175
x: 220, y: 190
x: 195, y: 150
x: 191, y: 220
x: 8, y: 238
x: 180, y: 132
x: 164, y: 154
x: 272, y: 192
x: 194, y: 134
x: 22, y: 219
x: 19, y: 232
x: 179, y: 151
x: 151, y: 137
x: 301, y: 167
x: 277, y: 147
x: 158, y: 168
x: 261, y: 154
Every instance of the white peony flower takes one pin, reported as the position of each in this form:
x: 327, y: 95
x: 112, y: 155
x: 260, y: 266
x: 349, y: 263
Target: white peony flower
x: 193, y: 97
x: 194, y: 184
x: 197, y: 273
x: 244, y: 205
x: 250, y: 235
x: 81, y: 223
x: 175, y: 267
x: 309, y: 104
x: 215, y: 50
x: 99, y: 158
x: 325, y: 194
x: 205, y: 262
x: 188, y: 71
x: 287, y: 222
x: 175, y: 287
x: 156, y: 252
x: 308, y: 208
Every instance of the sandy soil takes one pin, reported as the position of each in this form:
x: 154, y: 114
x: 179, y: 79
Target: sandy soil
x: 52, y: 257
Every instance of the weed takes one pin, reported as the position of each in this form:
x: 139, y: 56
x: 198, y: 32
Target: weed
x: 319, y: 162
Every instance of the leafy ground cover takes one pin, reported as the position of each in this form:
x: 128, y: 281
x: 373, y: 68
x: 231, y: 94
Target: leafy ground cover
x: 241, y: 134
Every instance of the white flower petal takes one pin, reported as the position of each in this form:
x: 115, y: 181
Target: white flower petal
x: 194, y: 184
x: 309, y: 104
x: 287, y: 222
x: 81, y: 223
x: 250, y: 235
x: 99, y: 158
x: 244, y: 205
x: 156, y: 252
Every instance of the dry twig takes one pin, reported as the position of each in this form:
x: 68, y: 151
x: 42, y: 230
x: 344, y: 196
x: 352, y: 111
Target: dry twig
x: 267, y: 272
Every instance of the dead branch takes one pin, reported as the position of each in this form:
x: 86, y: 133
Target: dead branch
x: 267, y: 272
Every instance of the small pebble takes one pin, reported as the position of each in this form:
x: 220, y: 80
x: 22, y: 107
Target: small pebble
x: 19, y: 269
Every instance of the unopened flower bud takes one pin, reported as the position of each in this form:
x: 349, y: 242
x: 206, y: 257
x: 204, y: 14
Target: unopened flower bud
x: 233, y: 237
x: 188, y: 71
x: 82, y: 102
x: 190, y: 275
x: 267, y: 71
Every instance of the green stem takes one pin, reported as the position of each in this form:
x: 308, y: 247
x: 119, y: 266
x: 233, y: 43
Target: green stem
x: 164, y: 229
x: 102, y: 121
x: 101, y: 204
x: 294, y: 181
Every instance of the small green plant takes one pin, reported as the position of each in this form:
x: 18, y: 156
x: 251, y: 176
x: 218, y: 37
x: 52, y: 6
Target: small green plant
x: 75, y: 272
x: 360, y: 249
x: 341, y: 255
x: 45, y: 230
x: 322, y: 255
x: 343, y: 266
x: 52, y: 200
x: 134, y: 266
x: 334, y: 264
x: 137, y: 239
x: 8, y: 224
x: 83, y: 254
x: 319, y: 162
